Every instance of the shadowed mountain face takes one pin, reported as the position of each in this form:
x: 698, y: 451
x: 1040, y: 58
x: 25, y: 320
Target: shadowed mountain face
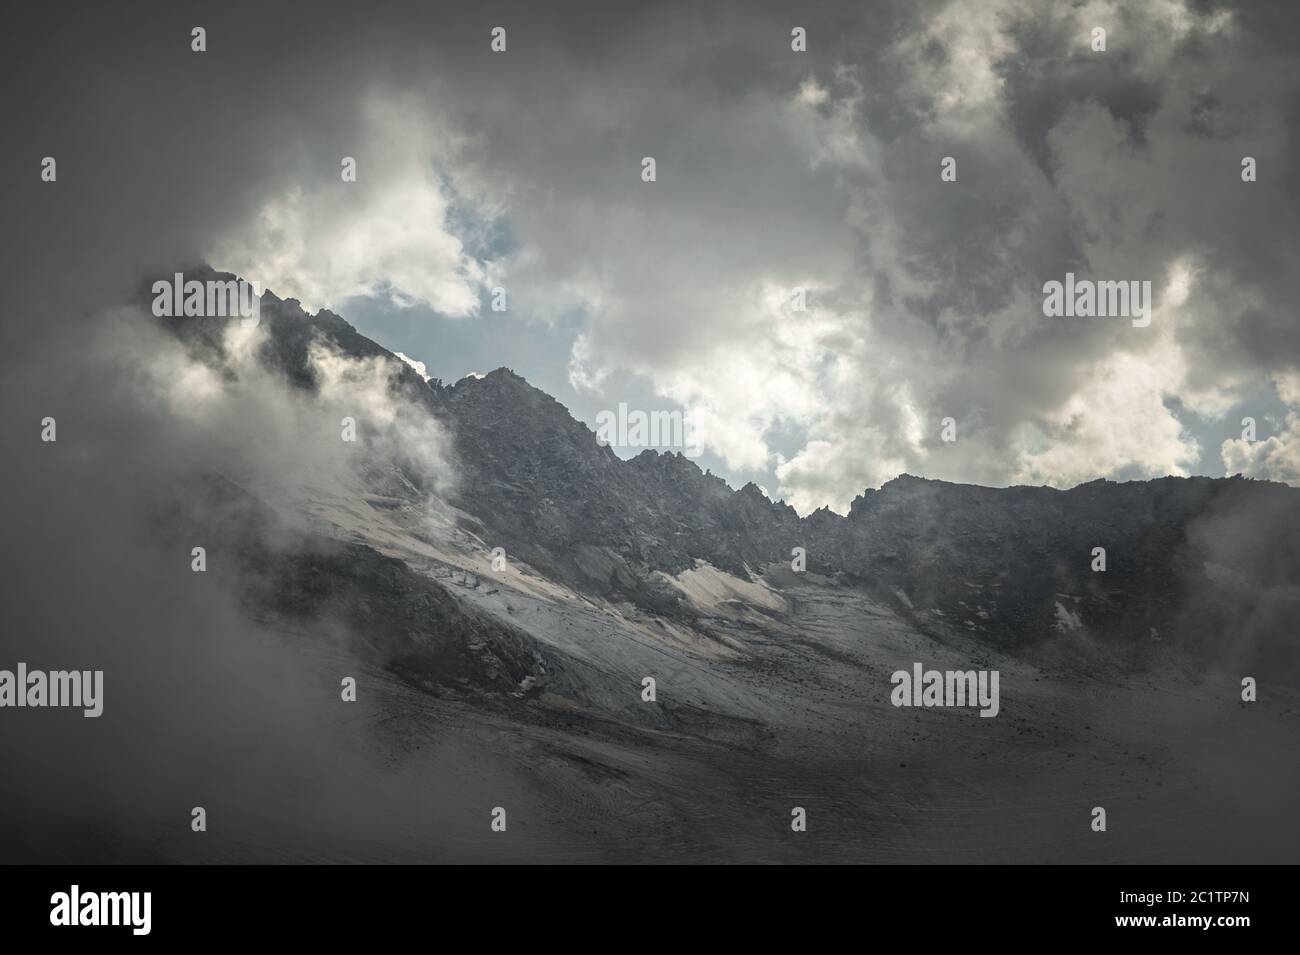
x: 505, y: 596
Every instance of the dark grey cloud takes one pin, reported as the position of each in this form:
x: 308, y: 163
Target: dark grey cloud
x: 776, y: 169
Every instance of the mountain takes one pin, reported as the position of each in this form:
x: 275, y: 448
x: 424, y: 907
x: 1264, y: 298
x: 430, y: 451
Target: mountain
x: 1012, y: 564
x: 537, y: 588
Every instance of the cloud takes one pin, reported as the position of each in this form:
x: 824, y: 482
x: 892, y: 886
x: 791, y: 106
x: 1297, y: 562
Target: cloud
x: 1275, y: 458
x: 159, y: 452
x: 229, y: 414
x: 400, y: 230
x: 1116, y: 425
x: 778, y: 170
x: 927, y: 297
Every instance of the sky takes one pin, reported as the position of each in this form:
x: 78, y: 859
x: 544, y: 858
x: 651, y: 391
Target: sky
x: 775, y: 170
